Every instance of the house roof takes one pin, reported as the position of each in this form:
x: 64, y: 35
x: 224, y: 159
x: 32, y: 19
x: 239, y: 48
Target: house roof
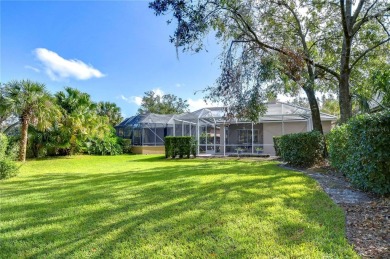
x: 276, y: 112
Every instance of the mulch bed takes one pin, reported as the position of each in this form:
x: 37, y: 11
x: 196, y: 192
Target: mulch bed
x: 368, y: 227
x: 367, y: 215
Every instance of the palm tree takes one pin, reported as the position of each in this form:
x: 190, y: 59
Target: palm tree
x: 110, y: 110
x: 34, y: 106
x: 78, y: 113
x: 71, y: 100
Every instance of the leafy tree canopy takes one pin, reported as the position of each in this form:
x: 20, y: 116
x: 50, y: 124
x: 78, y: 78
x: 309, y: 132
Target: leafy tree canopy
x: 111, y: 111
x: 165, y: 104
x: 31, y: 102
x: 66, y: 123
x: 283, y: 44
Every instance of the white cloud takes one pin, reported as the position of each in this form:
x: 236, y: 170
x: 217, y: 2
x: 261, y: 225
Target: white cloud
x: 178, y: 85
x: 158, y: 92
x: 138, y: 99
x: 32, y: 68
x: 199, y: 104
x: 132, y: 99
x: 57, y: 67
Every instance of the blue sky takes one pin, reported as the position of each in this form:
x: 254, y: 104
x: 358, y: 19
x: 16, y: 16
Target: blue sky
x: 115, y: 51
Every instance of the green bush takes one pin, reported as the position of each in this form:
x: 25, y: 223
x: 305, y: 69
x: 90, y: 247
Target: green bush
x: 12, y: 152
x: 302, y: 149
x: 276, y: 145
x: 126, y: 146
x: 3, y: 145
x: 361, y: 150
x: 193, y: 147
x: 336, y: 144
x: 179, y: 146
x: 8, y: 169
x: 107, y: 146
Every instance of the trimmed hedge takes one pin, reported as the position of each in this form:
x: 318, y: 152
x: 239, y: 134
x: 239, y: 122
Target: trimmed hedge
x: 302, y: 149
x: 179, y: 146
x: 276, y: 145
x: 361, y: 150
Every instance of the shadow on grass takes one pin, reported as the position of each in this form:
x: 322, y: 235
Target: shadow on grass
x: 223, y: 208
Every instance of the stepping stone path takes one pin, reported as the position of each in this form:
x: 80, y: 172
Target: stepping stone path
x: 336, y: 187
x: 339, y: 190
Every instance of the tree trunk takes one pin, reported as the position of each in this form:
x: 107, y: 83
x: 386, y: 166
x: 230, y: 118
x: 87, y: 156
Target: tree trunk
x: 345, y: 71
x: 315, y: 114
x: 23, y: 139
x: 345, y: 97
x: 315, y: 111
x: 344, y: 94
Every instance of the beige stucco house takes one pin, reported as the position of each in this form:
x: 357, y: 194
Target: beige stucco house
x: 215, y: 134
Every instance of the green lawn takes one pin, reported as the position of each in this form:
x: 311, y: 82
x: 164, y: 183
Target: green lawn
x: 148, y: 207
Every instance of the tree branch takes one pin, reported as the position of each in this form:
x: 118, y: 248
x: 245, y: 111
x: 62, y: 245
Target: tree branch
x: 368, y: 50
x: 300, y: 32
x: 264, y: 45
x: 367, y: 17
x: 326, y: 69
x: 343, y: 19
x: 357, y: 11
x: 238, y: 41
x: 383, y: 26
x: 322, y: 39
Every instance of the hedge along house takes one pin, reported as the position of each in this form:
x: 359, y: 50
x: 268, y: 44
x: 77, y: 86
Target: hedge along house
x: 216, y: 134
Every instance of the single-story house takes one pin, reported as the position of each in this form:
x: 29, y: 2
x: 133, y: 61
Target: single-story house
x: 216, y: 134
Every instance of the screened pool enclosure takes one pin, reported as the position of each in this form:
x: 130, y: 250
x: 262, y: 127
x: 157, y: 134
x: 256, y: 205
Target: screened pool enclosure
x: 215, y: 134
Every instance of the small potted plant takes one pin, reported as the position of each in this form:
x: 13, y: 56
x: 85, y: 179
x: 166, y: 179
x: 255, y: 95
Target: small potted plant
x: 259, y: 150
x: 239, y: 150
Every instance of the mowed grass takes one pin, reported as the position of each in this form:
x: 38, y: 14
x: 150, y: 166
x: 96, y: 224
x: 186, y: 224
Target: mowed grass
x: 148, y: 207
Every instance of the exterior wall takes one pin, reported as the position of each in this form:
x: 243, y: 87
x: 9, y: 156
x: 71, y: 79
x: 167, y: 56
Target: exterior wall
x: 327, y: 126
x: 270, y: 129
x: 276, y: 129
x: 148, y: 150
x: 294, y: 127
x: 266, y: 133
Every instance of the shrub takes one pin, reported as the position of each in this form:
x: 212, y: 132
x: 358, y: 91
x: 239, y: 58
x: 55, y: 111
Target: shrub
x: 193, y: 147
x: 336, y: 143
x: 12, y: 152
x: 276, y: 145
x: 301, y: 149
x: 126, y: 146
x: 106, y: 146
x: 179, y: 146
x: 8, y: 169
x: 361, y: 150
x: 3, y: 145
